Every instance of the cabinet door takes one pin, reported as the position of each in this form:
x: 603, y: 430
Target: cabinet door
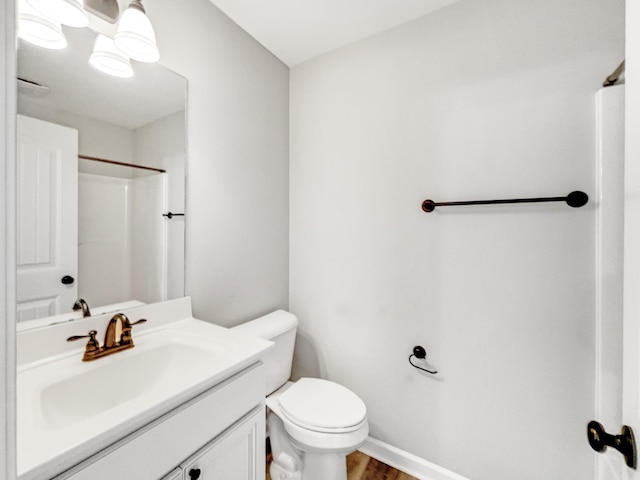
x: 237, y: 454
x: 174, y: 475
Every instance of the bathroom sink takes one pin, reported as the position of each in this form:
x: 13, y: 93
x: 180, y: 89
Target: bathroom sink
x: 159, y: 365
x: 69, y: 409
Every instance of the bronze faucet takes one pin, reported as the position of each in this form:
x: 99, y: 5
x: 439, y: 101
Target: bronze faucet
x: 117, y: 338
x: 82, y: 305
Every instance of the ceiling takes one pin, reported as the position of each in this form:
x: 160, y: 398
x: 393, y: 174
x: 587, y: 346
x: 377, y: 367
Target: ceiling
x: 298, y: 30
x: 293, y: 30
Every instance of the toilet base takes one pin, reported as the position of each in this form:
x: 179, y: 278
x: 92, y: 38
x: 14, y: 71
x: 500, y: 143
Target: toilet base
x: 321, y: 466
x: 279, y: 473
x: 293, y: 462
x: 316, y: 466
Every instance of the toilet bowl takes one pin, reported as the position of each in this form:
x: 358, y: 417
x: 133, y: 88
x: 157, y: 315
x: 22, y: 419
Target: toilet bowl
x: 313, y: 423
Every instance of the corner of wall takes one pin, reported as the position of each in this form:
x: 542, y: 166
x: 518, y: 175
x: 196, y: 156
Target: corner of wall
x: 8, y: 100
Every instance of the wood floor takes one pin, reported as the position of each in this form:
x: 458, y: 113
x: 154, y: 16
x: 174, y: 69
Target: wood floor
x: 362, y: 467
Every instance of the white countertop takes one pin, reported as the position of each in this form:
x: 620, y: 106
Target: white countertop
x: 69, y: 410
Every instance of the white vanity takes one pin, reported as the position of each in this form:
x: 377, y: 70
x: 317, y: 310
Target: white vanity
x: 187, y: 402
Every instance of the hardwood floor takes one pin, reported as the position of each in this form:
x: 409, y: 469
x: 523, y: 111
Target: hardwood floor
x: 363, y: 467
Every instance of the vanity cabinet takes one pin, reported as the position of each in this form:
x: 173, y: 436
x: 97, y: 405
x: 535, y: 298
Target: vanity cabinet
x: 175, y: 475
x: 219, y: 432
x: 235, y: 455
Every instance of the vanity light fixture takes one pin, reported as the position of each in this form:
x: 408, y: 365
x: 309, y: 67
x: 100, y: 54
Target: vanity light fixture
x: 109, y: 59
x: 38, y: 29
x: 39, y: 22
x: 107, y: 10
x: 66, y: 12
x: 135, y: 36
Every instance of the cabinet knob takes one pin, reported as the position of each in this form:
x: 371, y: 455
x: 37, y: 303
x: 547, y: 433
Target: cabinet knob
x: 194, y: 473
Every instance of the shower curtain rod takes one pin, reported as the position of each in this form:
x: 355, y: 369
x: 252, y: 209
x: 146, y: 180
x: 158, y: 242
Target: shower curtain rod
x: 122, y: 164
x: 574, y: 199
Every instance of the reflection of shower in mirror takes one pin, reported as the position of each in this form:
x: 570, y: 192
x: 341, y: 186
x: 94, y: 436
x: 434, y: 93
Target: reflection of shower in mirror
x: 121, y: 234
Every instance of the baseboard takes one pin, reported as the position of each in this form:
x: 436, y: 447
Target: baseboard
x: 407, y: 462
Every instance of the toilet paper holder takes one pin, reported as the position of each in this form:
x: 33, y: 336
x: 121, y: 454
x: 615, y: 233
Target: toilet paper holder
x: 420, y: 353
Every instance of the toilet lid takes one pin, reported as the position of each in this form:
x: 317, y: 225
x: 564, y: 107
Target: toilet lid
x: 320, y: 404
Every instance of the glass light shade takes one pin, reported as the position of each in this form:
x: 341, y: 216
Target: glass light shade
x: 67, y: 12
x: 38, y: 29
x: 108, y: 59
x: 135, y: 37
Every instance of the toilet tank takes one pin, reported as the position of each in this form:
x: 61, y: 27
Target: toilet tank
x: 279, y: 327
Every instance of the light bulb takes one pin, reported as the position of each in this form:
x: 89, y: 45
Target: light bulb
x: 66, y: 12
x: 108, y: 59
x: 135, y: 37
x: 39, y: 30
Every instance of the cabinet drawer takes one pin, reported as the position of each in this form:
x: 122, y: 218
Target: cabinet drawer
x: 157, y: 448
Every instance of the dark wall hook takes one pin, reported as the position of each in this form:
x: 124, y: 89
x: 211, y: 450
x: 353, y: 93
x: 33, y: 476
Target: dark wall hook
x: 420, y: 353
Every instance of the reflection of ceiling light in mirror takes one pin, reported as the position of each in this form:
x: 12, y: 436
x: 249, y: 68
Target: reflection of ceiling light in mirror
x: 67, y: 12
x: 35, y: 28
x: 135, y: 36
x: 108, y: 59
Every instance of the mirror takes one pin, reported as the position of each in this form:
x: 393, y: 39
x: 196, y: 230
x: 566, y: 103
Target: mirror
x: 110, y: 213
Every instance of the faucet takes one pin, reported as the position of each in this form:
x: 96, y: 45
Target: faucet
x: 119, y: 331
x: 82, y: 305
x: 117, y: 338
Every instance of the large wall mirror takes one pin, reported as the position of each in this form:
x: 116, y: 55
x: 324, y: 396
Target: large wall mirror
x: 101, y: 177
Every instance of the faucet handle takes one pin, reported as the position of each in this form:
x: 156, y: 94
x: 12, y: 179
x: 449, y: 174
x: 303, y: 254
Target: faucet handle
x: 92, y: 347
x: 91, y: 336
x: 129, y: 324
x: 126, y: 337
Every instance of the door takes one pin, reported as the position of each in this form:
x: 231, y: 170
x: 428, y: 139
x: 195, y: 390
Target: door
x: 47, y: 218
x: 631, y: 315
x: 609, y: 203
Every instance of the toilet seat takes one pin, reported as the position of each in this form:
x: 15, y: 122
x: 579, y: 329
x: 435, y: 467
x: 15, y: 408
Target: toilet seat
x: 313, y: 438
x: 322, y: 406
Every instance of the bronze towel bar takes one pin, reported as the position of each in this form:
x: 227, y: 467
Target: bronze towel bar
x: 574, y: 199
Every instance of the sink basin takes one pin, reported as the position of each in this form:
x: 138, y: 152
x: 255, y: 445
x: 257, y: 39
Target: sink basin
x: 69, y: 410
x: 127, y: 377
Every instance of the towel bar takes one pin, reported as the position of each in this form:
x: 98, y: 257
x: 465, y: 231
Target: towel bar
x: 575, y: 199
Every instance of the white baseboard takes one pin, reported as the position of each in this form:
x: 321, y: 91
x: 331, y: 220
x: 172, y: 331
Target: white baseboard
x: 407, y: 462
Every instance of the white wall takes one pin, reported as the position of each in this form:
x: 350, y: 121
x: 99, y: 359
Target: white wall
x: 491, y: 99
x: 237, y: 149
x: 95, y: 138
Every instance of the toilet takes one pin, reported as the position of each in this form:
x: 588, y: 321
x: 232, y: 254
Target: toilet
x: 313, y: 424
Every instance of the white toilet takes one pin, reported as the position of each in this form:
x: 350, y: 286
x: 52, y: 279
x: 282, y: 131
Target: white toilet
x: 313, y: 424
